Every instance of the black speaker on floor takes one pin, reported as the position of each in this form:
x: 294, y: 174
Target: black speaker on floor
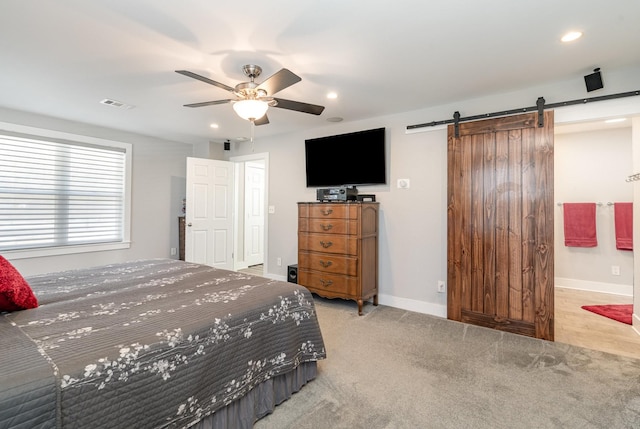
x: 292, y: 273
x: 593, y: 80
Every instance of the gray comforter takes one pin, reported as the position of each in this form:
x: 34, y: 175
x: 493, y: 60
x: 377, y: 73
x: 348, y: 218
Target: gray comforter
x: 148, y: 344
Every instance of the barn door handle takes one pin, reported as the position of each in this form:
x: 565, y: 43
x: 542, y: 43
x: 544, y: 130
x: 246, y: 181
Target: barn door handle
x: 327, y: 212
x: 326, y: 227
x: 326, y: 264
x: 326, y: 283
x: 326, y: 244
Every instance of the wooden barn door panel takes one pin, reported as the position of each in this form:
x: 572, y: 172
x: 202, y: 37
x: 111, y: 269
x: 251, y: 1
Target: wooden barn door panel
x: 500, y: 224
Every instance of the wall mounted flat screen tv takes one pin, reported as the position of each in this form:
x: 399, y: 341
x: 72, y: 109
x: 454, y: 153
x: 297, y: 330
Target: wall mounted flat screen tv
x: 347, y: 159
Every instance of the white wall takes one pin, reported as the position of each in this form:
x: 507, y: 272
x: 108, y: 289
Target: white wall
x: 413, y: 221
x: 158, y: 187
x: 592, y: 166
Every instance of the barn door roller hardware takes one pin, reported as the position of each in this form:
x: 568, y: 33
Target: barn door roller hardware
x: 456, y: 121
x: 539, y: 107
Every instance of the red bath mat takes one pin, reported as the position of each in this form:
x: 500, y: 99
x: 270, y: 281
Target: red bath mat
x: 619, y: 312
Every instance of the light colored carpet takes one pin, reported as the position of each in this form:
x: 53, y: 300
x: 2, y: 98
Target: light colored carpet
x: 397, y: 369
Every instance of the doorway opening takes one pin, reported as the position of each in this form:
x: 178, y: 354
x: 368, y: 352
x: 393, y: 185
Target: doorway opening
x: 592, y: 160
x: 250, y: 208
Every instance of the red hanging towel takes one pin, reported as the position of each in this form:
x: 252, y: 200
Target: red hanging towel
x: 580, y: 225
x: 623, y: 217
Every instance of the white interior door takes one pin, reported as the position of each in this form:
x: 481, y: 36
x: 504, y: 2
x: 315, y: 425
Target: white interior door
x: 209, y: 213
x: 254, y: 212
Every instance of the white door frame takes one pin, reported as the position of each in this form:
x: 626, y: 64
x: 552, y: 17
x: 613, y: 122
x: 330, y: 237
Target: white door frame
x: 241, y: 159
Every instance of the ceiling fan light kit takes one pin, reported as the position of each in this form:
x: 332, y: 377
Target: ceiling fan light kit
x: 252, y: 99
x: 250, y: 109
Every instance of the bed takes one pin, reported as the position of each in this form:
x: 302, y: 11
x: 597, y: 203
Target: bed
x: 155, y: 344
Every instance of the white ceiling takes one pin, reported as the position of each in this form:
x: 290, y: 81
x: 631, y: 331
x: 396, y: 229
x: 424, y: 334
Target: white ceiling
x: 60, y: 58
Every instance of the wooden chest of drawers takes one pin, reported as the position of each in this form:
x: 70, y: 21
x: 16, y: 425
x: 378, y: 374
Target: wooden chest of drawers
x: 338, y: 250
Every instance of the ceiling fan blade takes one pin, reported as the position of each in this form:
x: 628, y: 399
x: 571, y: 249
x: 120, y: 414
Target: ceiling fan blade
x: 205, y: 80
x: 208, y: 103
x: 262, y: 121
x: 279, y: 81
x: 298, y: 106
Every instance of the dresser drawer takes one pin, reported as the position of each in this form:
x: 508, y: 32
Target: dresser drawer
x: 328, y: 226
x: 341, y: 244
x: 328, y: 283
x: 328, y: 263
x: 328, y: 211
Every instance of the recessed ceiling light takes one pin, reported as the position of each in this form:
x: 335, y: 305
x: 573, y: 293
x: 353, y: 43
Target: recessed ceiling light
x: 214, y: 126
x: 613, y: 121
x: 332, y: 95
x: 571, y: 36
x: 334, y: 119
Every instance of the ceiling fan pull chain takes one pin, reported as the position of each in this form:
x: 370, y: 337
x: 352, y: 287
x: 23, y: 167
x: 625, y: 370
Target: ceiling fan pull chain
x: 253, y: 126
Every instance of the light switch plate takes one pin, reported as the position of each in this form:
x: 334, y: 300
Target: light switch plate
x: 404, y: 183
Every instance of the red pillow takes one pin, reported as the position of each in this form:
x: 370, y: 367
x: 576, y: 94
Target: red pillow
x: 15, y: 292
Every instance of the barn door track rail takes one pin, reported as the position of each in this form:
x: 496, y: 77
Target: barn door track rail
x: 539, y: 107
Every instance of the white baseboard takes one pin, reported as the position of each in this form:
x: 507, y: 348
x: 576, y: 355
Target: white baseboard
x: 636, y: 323
x: 616, y: 289
x: 430, y: 308
x: 413, y: 305
x: 440, y: 310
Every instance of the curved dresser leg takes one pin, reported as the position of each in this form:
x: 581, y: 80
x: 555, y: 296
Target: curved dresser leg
x: 360, y: 307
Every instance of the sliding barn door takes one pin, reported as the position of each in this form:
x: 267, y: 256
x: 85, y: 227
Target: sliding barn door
x: 500, y: 224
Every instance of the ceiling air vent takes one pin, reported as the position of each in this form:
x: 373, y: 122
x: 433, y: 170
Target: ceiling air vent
x: 116, y: 103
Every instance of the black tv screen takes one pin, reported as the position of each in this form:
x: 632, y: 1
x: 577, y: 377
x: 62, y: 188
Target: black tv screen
x: 347, y: 159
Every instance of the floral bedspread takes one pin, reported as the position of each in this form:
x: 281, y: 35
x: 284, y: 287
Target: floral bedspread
x: 149, y: 344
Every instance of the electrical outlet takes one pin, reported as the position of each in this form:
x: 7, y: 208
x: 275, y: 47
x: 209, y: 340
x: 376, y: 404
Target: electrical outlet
x: 174, y: 251
x: 279, y: 262
x: 441, y: 287
x: 615, y: 270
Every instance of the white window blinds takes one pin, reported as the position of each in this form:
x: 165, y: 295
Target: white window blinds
x: 57, y: 193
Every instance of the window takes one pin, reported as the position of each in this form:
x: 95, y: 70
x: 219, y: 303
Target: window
x: 62, y: 196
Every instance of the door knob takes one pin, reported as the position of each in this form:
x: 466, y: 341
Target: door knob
x: 189, y: 224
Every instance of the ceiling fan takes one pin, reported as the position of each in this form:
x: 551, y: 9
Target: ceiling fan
x: 254, y: 99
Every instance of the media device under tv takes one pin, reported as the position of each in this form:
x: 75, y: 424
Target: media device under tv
x: 340, y: 193
x: 346, y: 160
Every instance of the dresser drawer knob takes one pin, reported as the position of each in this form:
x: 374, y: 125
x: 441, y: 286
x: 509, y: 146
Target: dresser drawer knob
x: 326, y: 283
x: 326, y: 264
x: 327, y: 212
x: 326, y: 244
x: 326, y: 227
